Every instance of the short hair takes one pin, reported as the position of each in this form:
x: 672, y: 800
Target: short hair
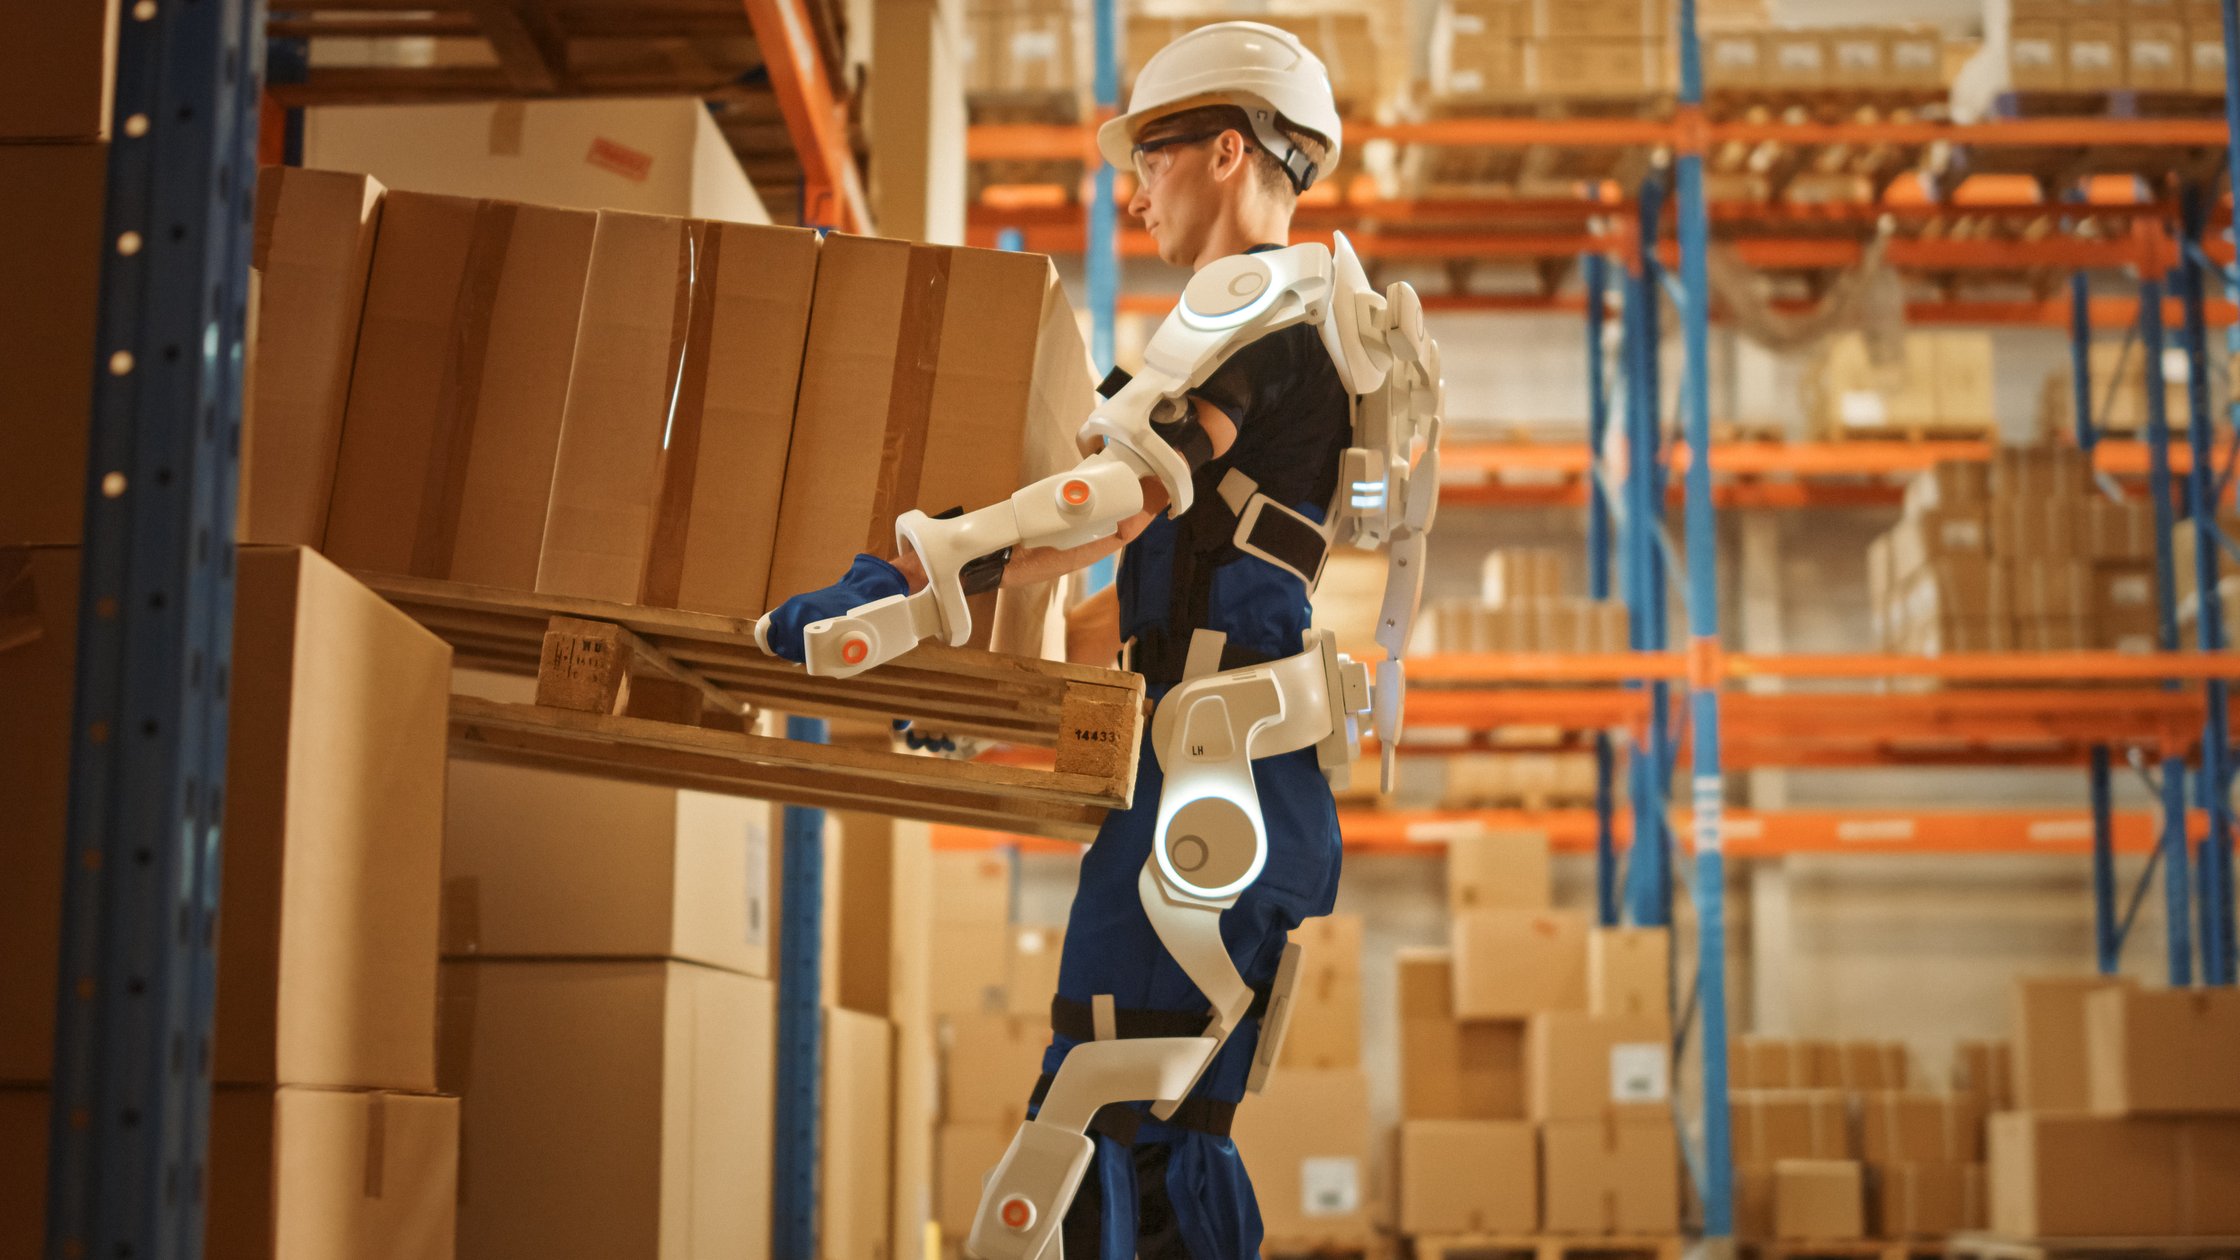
x: 1233, y: 118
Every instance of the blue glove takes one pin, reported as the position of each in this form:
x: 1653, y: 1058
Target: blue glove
x: 869, y: 578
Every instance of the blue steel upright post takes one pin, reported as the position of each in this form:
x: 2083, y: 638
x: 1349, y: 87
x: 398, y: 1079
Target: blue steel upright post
x: 136, y: 984
x: 2177, y: 895
x: 2107, y: 932
x: 1648, y: 874
x: 2213, y: 869
x: 1598, y: 576
x: 799, y: 1141
x: 1103, y: 260
x: 1704, y: 671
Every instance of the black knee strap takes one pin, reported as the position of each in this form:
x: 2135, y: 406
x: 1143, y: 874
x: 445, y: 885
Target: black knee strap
x: 1077, y: 1020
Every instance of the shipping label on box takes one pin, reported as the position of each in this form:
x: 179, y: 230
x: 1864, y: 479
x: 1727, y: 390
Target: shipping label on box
x: 1581, y: 1066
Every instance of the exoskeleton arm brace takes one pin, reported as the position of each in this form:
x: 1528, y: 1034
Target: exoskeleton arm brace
x: 1227, y: 305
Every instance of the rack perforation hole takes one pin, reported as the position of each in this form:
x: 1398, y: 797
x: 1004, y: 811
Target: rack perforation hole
x: 112, y: 485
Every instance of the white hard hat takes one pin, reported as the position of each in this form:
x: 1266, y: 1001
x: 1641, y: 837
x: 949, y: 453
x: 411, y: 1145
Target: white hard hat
x: 1262, y: 69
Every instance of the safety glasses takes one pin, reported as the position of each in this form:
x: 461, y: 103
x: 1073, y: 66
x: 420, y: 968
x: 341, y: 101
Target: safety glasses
x: 1153, y: 157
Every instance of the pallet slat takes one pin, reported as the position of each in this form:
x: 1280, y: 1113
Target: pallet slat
x: 589, y: 656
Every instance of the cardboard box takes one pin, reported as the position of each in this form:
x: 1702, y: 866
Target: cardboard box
x: 915, y: 122
x: 964, y: 368
x: 1629, y: 971
x: 334, y: 826
x: 2051, y: 587
x: 964, y: 1154
x: 2056, y: 1176
x: 1594, y: 67
x: 1950, y: 485
x: 1610, y: 1176
x: 2155, y: 55
x: 1897, y: 1126
x: 1449, y: 1069
x: 2205, y: 69
x: 651, y: 155
x: 615, y: 1108
x: 1963, y: 377
x: 332, y: 1174
x: 1580, y: 1066
x: 1325, y: 1027
x: 2120, y: 533
x: 1784, y: 1063
x: 2032, y: 473
x: 971, y: 887
x: 1521, y: 575
x: 1512, y: 963
x: 1734, y: 59
x: 1031, y: 978
x: 1498, y: 870
x: 1773, y: 1125
x: 1915, y: 59
x: 57, y: 72
x: 991, y: 1063
x: 975, y: 972
x: 915, y: 1108
x: 2162, y: 1051
x: 1858, y: 57
x: 886, y: 922
x: 1922, y: 1200
x: 1871, y: 1065
x: 540, y: 863
x: 1796, y: 59
x: 2095, y: 54
x: 679, y: 411
x: 1306, y: 1140
x: 50, y: 284
x: 456, y: 393
x: 23, y: 1169
x: 854, y: 1162
x: 1935, y: 535
x: 2049, y: 1041
x: 1819, y: 1198
x: 1475, y: 49
x: 2037, y: 55
x: 1469, y: 1177
x: 1598, y: 19
x: 314, y: 247
x: 1985, y: 1069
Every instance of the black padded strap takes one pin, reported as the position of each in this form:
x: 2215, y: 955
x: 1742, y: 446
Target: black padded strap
x: 1161, y: 658
x: 1077, y: 1021
x: 1114, y: 381
x: 1292, y: 540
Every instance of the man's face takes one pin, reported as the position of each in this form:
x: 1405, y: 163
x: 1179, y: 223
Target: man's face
x: 1178, y: 187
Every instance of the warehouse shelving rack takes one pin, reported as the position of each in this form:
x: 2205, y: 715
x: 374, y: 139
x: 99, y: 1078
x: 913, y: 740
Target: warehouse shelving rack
x: 135, y: 993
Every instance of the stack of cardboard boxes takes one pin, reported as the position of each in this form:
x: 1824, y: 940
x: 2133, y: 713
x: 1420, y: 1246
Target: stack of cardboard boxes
x: 2128, y: 1112
x: 2184, y: 544
x: 1307, y: 1137
x: 1492, y: 51
x: 989, y: 999
x: 2119, y: 393
x: 1535, y: 1063
x: 1890, y: 59
x: 327, y: 1135
x: 544, y: 399
x: 2021, y: 554
x: 2156, y: 46
x: 1833, y: 1140
x: 1345, y: 37
x: 1524, y: 607
x: 608, y: 1018
x: 1026, y: 55
x: 1941, y: 381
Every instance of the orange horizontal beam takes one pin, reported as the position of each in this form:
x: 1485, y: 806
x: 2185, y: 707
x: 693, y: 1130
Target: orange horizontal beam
x: 1044, y: 142
x: 1749, y: 833
x: 1537, y: 667
x: 1460, y: 460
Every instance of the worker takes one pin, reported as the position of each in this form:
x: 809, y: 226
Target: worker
x: 1224, y: 500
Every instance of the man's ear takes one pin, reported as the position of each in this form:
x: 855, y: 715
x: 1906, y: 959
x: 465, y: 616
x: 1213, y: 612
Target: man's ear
x: 1231, y: 153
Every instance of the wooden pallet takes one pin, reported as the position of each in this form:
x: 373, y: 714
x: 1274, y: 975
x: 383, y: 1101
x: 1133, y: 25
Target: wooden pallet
x: 1549, y: 1246
x: 2001, y: 1247
x: 659, y: 696
x: 2109, y: 103
x: 1374, y: 1249
x: 1847, y: 1249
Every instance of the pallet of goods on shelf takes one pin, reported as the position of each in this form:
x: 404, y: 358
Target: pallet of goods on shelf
x: 1933, y: 385
x: 2023, y: 554
x: 2145, y: 57
x: 2126, y: 1127
x: 1524, y: 605
x: 1026, y: 62
x: 2118, y: 372
x: 1512, y: 53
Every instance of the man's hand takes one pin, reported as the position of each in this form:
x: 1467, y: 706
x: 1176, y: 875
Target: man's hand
x: 869, y: 578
